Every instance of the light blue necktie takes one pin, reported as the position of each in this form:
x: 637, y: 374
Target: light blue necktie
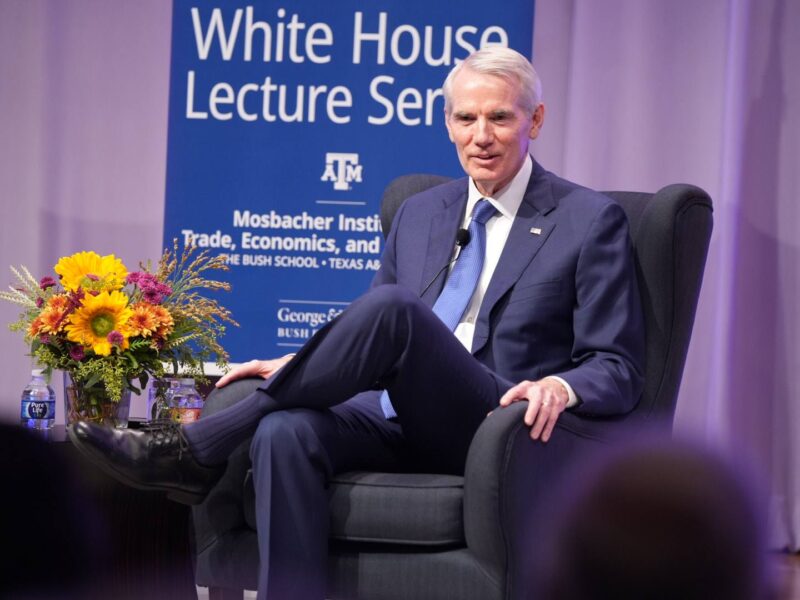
x: 452, y: 302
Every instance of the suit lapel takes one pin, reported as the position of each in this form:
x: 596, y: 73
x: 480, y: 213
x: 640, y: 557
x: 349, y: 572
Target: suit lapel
x: 441, y: 241
x: 529, y: 232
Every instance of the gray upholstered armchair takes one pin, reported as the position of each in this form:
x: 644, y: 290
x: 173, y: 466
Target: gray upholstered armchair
x: 428, y: 536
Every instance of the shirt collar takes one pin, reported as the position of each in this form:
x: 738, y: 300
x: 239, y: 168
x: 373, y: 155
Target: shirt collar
x: 507, y: 200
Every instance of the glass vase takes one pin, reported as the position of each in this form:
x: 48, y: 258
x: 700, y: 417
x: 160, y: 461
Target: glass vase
x: 92, y: 404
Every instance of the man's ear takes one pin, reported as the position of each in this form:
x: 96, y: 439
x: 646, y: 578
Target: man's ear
x: 537, y: 121
x: 447, y: 124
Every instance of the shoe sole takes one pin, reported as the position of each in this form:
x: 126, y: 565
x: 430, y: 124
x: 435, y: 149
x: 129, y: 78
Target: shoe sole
x: 97, y: 458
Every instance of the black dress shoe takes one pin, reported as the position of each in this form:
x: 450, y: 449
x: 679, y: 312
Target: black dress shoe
x: 156, y: 457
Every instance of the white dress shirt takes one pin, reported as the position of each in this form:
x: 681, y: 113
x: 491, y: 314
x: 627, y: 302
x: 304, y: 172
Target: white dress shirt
x: 506, y: 201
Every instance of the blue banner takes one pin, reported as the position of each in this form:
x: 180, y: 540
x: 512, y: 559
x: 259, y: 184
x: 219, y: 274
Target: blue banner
x: 286, y: 122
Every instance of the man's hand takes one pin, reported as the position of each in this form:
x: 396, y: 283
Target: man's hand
x: 254, y: 368
x: 546, y: 398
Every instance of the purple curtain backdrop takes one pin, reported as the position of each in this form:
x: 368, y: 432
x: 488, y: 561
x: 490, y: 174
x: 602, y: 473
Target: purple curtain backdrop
x: 83, y: 140
x: 639, y: 94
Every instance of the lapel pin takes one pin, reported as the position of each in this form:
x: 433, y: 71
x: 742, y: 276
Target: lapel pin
x: 536, y: 231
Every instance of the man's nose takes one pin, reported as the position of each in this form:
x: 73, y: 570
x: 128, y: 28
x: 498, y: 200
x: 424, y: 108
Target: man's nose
x: 483, y: 133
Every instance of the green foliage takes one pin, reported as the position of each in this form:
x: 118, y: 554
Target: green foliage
x: 186, y: 338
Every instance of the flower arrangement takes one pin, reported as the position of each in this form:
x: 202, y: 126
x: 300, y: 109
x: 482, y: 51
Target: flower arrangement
x: 104, y: 325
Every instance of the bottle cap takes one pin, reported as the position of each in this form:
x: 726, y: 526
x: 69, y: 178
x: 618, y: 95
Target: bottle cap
x: 37, y: 372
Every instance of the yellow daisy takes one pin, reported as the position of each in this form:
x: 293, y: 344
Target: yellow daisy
x: 142, y: 322
x: 91, y: 271
x: 58, y: 302
x: 52, y: 320
x: 96, y: 318
x: 165, y: 322
x: 35, y: 328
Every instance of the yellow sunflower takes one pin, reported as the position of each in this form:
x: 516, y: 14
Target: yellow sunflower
x: 91, y: 271
x: 98, y: 316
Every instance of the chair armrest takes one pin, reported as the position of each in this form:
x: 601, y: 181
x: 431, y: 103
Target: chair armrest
x: 506, y: 481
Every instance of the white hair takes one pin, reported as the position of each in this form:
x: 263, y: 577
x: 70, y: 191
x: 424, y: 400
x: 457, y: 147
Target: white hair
x: 500, y: 62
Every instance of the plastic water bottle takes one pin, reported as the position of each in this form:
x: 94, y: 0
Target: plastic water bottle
x: 184, y: 402
x: 158, y: 398
x: 38, y: 410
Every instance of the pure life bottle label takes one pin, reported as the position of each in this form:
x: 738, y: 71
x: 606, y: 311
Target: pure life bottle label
x: 38, y: 409
x: 38, y: 403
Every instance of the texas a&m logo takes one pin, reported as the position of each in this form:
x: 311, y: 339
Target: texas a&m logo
x: 342, y: 169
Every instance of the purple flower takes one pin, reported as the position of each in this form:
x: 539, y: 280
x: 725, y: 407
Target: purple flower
x: 39, y: 302
x: 146, y: 279
x: 44, y: 338
x: 115, y: 338
x: 152, y: 296
x: 153, y: 291
x: 76, y: 353
x: 92, y: 277
x: 47, y: 282
x: 76, y: 297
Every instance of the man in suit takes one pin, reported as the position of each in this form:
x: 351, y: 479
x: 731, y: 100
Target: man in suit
x: 541, y: 304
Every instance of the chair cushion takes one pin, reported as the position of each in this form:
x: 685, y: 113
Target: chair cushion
x: 390, y: 508
x: 398, y: 508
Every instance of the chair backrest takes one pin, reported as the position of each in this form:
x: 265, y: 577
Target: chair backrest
x: 400, y: 188
x: 671, y: 231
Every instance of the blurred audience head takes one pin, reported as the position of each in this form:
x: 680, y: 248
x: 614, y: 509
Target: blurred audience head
x: 657, y: 519
x: 54, y: 540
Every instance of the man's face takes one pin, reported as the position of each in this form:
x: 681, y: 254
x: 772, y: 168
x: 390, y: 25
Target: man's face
x: 489, y: 128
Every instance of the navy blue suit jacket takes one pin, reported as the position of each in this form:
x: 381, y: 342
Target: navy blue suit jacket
x: 563, y: 299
